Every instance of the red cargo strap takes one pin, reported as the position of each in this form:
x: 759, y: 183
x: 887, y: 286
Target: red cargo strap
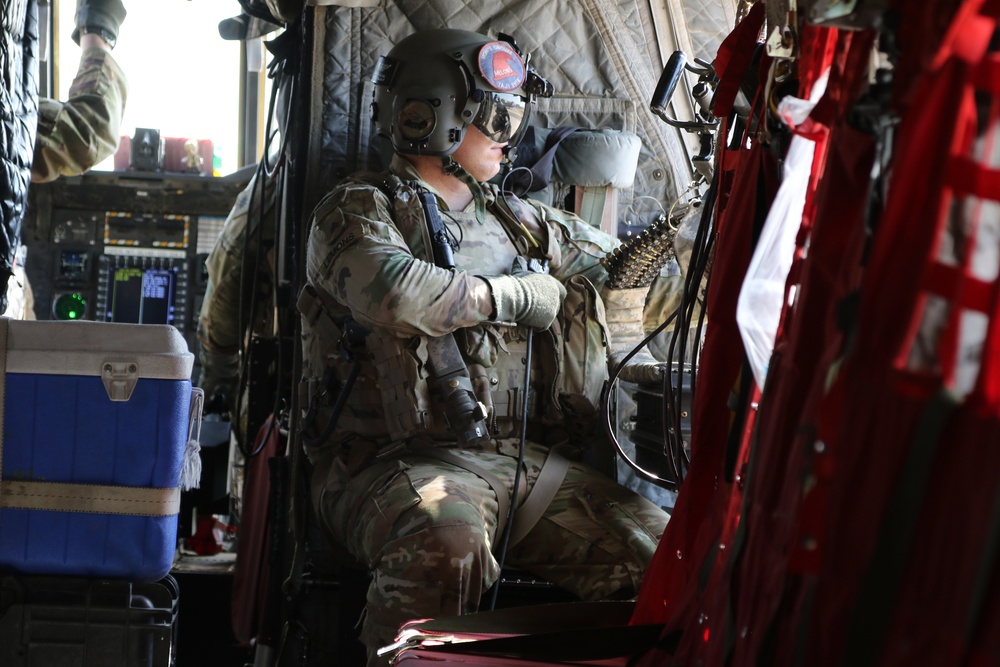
x: 734, y: 58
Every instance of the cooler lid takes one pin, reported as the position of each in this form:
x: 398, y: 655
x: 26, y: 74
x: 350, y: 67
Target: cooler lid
x: 53, y: 347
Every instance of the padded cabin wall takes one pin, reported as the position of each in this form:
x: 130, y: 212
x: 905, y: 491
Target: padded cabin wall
x: 598, y: 54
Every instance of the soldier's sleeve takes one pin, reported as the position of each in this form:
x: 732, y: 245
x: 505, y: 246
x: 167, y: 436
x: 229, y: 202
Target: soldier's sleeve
x: 358, y: 255
x: 78, y: 133
x: 578, y: 247
x: 219, y: 327
x: 575, y: 246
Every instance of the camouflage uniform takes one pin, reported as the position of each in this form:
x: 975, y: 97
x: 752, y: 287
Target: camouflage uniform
x: 424, y: 527
x: 76, y: 134
x: 219, y: 323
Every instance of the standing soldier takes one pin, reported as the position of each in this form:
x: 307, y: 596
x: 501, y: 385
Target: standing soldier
x: 46, y: 138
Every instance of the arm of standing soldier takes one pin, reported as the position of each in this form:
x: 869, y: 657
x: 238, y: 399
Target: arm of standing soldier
x: 80, y: 132
x: 357, y: 255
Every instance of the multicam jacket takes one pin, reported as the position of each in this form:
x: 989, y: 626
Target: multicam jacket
x: 219, y: 328
x: 76, y: 134
x: 366, y: 257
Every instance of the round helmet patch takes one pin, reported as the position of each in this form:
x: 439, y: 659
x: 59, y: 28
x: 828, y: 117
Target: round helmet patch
x: 501, y: 66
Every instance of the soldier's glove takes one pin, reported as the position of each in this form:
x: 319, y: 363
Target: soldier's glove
x: 220, y: 373
x: 103, y: 17
x: 531, y: 299
x: 623, y: 309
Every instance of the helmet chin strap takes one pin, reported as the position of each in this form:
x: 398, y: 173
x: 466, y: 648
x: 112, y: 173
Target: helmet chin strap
x: 453, y: 168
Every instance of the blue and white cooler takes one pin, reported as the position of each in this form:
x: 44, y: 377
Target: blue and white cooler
x: 96, y: 421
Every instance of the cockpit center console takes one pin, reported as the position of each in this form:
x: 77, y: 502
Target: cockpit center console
x: 125, y: 246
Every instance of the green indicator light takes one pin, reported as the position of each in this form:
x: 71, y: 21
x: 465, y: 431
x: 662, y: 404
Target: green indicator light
x: 70, y: 307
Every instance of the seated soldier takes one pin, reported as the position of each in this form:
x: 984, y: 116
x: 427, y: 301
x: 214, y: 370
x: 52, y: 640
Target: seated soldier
x: 415, y: 462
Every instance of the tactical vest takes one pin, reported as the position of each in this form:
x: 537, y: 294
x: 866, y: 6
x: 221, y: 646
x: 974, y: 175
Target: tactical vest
x: 570, y: 368
x: 19, y: 67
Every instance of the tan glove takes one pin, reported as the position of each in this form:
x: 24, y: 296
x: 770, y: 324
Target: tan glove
x: 531, y: 299
x: 623, y: 309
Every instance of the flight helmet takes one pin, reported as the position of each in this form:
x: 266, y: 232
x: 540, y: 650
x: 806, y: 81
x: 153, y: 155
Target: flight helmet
x: 434, y: 84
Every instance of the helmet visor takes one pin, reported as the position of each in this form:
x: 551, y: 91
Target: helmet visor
x: 502, y: 117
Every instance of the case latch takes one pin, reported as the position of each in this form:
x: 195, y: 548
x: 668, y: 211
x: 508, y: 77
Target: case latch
x: 119, y: 379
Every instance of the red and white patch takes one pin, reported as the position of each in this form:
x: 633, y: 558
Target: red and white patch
x: 501, y: 66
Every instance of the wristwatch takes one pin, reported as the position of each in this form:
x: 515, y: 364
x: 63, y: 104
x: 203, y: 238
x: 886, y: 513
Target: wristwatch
x: 106, y: 35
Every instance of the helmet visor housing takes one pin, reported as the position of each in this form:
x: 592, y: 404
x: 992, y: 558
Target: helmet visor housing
x: 502, y: 117
x: 433, y: 84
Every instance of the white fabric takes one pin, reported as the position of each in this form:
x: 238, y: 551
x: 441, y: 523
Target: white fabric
x: 759, y: 307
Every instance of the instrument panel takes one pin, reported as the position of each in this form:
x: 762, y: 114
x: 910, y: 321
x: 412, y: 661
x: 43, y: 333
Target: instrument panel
x: 124, y: 246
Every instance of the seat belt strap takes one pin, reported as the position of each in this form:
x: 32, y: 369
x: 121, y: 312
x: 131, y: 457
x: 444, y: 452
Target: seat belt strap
x: 550, y: 478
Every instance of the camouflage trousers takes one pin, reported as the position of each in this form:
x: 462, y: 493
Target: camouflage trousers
x: 426, y: 529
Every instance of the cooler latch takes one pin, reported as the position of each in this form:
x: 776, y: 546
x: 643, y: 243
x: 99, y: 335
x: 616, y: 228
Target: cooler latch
x: 119, y: 379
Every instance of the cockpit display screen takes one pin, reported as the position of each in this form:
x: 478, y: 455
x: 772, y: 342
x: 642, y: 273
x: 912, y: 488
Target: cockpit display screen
x: 140, y: 295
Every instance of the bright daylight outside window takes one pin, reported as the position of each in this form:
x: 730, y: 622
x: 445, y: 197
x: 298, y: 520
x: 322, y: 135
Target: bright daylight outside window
x: 183, y: 77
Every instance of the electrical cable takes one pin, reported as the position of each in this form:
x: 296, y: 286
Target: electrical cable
x: 697, y: 269
x: 522, y: 445
x: 511, y: 510
x: 606, y: 406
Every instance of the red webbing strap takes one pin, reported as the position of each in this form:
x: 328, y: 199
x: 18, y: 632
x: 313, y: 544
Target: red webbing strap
x: 970, y: 178
x: 873, y: 607
x: 987, y: 75
x: 733, y: 60
x: 250, y: 609
x: 970, y: 292
x: 912, y: 222
x: 986, y: 392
